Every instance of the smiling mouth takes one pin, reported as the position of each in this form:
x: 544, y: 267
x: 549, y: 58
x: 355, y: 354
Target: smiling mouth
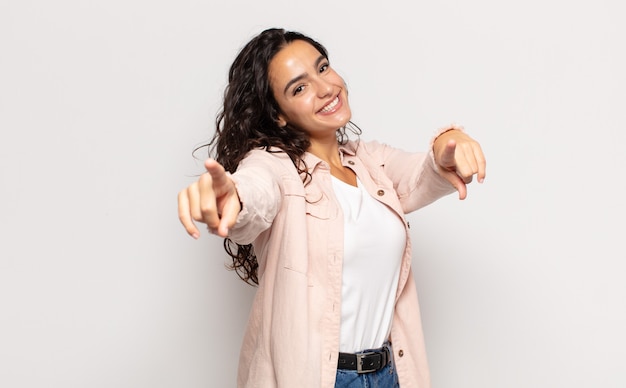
x: 330, y: 106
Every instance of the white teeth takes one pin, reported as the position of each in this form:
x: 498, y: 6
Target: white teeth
x: 330, y: 106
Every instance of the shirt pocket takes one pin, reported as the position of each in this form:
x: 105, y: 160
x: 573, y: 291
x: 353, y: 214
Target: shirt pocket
x: 317, y: 203
x: 293, y: 254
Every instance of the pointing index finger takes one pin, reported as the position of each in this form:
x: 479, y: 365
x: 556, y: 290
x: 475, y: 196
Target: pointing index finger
x: 447, y: 157
x: 218, y: 174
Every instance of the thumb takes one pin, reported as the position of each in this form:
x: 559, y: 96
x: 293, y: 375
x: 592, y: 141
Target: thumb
x: 455, y: 181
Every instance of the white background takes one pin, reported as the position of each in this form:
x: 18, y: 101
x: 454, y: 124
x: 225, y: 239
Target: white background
x: 101, y: 104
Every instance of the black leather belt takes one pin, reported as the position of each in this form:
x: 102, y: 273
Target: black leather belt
x: 365, y: 362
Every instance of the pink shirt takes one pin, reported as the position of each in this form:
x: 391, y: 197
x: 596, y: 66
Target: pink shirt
x: 292, y: 336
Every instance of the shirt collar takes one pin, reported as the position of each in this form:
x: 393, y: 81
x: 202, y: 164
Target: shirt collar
x: 347, y: 149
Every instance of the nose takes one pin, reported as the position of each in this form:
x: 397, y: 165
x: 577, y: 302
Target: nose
x: 324, y: 88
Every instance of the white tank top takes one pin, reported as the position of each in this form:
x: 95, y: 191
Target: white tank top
x: 374, y: 242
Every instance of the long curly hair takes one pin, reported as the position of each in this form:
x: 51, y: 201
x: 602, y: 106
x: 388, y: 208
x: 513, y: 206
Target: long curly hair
x: 249, y: 120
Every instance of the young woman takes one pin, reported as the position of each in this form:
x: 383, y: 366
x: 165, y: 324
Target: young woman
x: 318, y: 222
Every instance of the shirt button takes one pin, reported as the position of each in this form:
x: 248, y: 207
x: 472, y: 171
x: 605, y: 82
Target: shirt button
x: 408, y: 224
x: 350, y: 162
x: 401, y: 353
x: 380, y: 193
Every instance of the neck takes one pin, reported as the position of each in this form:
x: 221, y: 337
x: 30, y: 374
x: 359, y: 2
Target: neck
x: 327, y: 150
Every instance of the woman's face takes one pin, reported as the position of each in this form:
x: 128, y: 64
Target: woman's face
x: 310, y: 95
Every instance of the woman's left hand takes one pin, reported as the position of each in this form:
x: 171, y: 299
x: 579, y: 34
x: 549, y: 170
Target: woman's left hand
x: 459, y: 158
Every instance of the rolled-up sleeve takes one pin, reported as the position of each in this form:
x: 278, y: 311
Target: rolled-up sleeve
x: 259, y: 187
x: 414, y: 175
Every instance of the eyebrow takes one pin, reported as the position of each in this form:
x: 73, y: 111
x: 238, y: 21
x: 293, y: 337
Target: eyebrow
x: 302, y: 76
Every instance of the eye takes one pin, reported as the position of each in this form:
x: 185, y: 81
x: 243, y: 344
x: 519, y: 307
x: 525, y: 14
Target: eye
x: 324, y: 67
x: 298, y: 89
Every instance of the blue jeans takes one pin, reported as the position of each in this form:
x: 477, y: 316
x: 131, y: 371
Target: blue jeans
x: 387, y: 377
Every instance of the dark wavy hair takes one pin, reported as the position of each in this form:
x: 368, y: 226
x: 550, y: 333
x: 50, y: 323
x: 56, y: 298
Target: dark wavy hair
x: 249, y: 120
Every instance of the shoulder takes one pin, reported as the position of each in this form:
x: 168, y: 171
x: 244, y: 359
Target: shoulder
x: 371, y: 150
x: 264, y: 157
x: 269, y: 166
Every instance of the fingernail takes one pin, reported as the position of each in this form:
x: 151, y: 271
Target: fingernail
x: 195, y: 235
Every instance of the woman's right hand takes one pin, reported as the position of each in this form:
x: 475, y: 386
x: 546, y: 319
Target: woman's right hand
x: 212, y: 200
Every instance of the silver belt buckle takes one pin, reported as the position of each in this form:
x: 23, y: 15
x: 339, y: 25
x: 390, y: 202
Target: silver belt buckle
x: 359, y: 362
